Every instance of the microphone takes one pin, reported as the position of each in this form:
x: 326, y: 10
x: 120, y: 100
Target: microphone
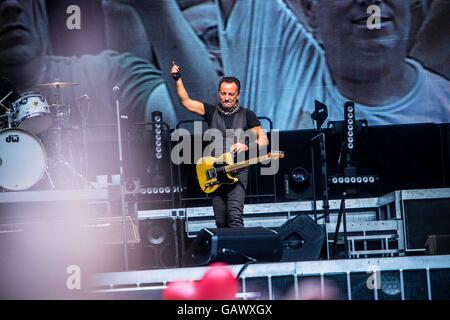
x: 116, y: 90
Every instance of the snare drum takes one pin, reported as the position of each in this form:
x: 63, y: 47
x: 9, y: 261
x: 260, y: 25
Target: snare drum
x: 32, y: 113
x: 23, y: 160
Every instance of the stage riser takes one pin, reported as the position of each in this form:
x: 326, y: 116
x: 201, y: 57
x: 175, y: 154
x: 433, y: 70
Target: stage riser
x: 271, y: 221
x: 398, y: 207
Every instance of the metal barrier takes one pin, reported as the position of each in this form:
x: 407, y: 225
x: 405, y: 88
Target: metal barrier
x: 400, y: 278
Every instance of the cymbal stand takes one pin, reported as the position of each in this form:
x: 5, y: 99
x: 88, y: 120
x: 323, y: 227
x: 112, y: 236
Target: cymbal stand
x: 84, y: 118
x: 61, y: 169
x: 8, y: 111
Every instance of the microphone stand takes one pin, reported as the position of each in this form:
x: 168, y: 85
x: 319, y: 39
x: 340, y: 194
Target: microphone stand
x: 122, y: 194
x: 341, y: 216
x: 324, y: 175
x: 320, y: 115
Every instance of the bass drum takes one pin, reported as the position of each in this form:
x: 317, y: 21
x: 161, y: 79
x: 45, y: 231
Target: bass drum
x: 23, y: 160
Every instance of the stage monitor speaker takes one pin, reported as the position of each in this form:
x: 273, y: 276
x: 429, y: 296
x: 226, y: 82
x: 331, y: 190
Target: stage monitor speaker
x: 233, y: 246
x: 302, y: 239
x: 162, y: 241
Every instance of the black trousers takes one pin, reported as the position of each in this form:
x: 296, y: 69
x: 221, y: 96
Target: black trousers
x: 228, y: 202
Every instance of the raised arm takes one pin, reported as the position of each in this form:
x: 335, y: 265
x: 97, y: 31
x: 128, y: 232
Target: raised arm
x: 191, y: 105
x: 225, y: 7
x: 172, y: 38
x: 133, y: 38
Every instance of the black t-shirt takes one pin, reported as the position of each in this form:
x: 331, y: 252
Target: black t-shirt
x: 252, y: 119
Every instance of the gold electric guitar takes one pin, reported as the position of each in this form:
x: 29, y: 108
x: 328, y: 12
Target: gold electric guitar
x: 212, y: 173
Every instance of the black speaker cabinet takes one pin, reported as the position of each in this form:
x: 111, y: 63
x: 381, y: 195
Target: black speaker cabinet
x: 302, y: 239
x: 162, y: 242
x: 234, y: 246
x: 423, y: 218
x: 438, y: 244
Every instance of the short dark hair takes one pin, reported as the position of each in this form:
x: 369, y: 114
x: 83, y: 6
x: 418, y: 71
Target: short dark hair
x: 230, y: 80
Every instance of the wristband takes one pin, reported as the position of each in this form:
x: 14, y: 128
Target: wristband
x: 177, y: 76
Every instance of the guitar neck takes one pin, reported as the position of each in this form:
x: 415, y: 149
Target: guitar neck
x: 246, y: 163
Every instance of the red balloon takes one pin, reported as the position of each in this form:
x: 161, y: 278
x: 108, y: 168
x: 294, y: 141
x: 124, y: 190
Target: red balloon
x: 218, y: 283
x: 182, y: 290
x: 218, y: 264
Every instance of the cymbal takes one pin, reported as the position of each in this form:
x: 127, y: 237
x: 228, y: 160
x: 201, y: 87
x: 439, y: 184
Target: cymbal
x: 57, y: 85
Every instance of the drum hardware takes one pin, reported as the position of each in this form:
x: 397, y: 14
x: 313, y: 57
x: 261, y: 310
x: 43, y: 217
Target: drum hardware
x: 8, y: 115
x: 62, y: 173
x: 24, y: 162
x: 32, y: 113
x: 84, y: 117
x: 56, y: 85
x: 8, y: 94
x: 4, y: 99
x: 29, y: 111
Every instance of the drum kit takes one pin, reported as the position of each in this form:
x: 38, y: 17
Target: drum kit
x: 23, y: 156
